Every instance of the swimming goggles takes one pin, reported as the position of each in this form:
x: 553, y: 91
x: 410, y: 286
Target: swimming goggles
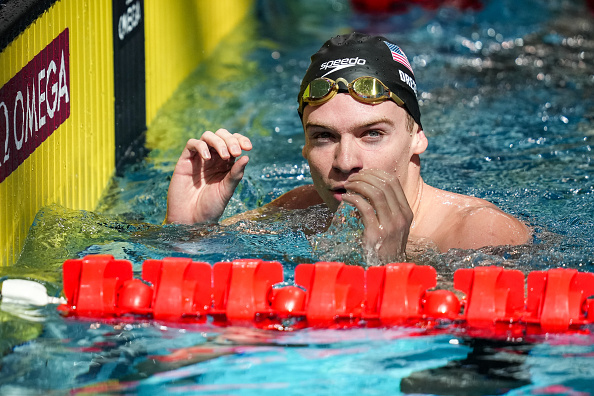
x: 364, y: 89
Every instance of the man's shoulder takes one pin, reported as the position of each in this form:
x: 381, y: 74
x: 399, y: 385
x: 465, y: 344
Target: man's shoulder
x: 301, y: 197
x: 488, y: 225
x: 471, y: 222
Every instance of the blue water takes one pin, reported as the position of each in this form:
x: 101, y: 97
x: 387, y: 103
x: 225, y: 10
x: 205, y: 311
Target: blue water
x: 507, y: 102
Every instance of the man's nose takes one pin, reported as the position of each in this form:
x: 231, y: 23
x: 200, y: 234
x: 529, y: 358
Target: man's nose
x: 346, y: 157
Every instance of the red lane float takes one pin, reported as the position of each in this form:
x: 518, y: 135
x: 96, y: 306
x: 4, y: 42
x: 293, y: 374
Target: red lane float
x: 327, y: 294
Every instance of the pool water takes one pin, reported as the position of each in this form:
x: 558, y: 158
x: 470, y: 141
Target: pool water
x: 507, y: 96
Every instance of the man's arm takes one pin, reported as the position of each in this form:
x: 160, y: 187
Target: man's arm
x: 205, y: 177
x: 301, y: 197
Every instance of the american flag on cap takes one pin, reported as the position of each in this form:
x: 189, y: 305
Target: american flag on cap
x: 398, y: 55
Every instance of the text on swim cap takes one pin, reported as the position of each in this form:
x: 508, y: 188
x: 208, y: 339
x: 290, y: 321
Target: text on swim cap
x: 343, y: 62
x: 339, y: 64
x: 408, y: 80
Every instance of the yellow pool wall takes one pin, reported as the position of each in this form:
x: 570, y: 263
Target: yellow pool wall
x: 74, y: 165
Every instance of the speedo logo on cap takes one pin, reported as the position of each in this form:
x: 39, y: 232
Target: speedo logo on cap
x: 339, y: 64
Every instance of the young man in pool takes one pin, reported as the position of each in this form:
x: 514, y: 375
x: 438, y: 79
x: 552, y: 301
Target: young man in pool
x: 363, y: 138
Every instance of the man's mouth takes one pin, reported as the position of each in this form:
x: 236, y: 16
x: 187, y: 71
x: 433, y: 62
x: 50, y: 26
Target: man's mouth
x: 339, y: 190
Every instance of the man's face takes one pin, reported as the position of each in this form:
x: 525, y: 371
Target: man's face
x: 344, y: 136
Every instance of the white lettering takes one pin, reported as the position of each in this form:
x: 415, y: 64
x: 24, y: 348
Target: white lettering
x: 63, y: 87
x: 18, y: 142
x: 40, y: 76
x: 6, y: 150
x: 51, y: 110
x: 31, y: 114
x: 129, y: 20
x: 408, y: 80
x: 342, y: 62
x: 23, y: 114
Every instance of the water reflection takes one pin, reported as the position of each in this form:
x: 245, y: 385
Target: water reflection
x: 508, y: 107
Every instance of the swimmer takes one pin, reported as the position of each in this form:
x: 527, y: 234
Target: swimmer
x: 363, y: 138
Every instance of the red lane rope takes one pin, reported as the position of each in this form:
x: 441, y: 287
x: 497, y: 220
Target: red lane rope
x: 327, y: 294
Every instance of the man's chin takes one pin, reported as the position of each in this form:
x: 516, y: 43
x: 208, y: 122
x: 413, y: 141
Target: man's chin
x: 334, y: 202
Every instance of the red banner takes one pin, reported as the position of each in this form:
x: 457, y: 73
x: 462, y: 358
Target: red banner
x: 34, y: 103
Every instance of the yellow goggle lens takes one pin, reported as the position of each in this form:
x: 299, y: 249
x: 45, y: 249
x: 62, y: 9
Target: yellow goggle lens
x: 317, y: 89
x: 369, y: 88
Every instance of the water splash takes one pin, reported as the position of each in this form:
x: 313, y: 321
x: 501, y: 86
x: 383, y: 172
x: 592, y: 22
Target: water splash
x: 344, y: 240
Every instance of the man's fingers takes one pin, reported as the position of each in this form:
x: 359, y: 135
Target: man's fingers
x: 217, y: 143
x: 366, y: 210
x: 382, y: 189
x: 226, y: 144
x: 193, y: 147
x: 236, y: 172
x: 244, y: 141
x: 233, y: 146
x: 380, y: 197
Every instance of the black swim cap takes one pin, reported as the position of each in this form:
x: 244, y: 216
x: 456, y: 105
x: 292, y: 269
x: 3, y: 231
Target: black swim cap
x: 355, y: 55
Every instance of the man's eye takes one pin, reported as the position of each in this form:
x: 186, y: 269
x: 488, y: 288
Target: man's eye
x: 322, y: 136
x: 373, y: 134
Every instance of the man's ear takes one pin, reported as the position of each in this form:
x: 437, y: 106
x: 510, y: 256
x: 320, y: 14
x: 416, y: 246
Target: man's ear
x: 420, y: 142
